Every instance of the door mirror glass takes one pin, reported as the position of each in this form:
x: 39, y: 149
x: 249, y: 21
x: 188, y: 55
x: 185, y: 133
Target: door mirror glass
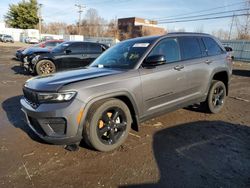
x: 154, y: 60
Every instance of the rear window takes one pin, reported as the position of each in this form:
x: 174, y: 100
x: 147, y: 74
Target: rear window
x: 212, y: 47
x: 190, y: 48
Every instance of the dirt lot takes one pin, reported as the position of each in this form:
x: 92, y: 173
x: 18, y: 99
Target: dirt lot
x: 185, y: 148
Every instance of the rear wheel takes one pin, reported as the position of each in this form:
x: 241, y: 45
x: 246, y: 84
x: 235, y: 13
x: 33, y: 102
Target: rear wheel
x: 45, y: 67
x: 107, y: 125
x: 216, y: 96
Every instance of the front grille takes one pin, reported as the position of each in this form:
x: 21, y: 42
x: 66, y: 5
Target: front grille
x: 31, y: 97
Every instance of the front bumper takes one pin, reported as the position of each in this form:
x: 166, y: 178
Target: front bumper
x: 55, y: 123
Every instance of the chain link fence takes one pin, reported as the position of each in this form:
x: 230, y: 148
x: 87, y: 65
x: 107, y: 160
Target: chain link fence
x: 241, y: 49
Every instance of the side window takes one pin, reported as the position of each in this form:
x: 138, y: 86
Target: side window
x: 76, y: 48
x: 169, y: 48
x: 203, y: 48
x: 50, y: 44
x: 94, y: 48
x: 212, y: 47
x: 190, y: 48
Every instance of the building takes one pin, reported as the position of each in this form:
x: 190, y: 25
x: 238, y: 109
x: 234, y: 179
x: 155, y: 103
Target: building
x: 137, y: 27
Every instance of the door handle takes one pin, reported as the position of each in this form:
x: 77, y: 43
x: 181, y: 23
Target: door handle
x: 208, y: 61
x: 178, y: 67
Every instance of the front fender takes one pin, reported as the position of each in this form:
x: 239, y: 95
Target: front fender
x: 106, y: 96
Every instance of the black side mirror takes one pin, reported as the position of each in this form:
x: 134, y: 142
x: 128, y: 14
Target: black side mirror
x: 67, y: 51
x: 228, y: 49
x: 154, y: 60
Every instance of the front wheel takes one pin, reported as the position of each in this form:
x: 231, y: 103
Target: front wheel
x: 216, y: 96
x: 45, y: 67
x: 108, y: 124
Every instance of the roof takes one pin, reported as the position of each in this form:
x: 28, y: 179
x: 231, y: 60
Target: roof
x: 186, y: 33
x: 54, y: 41
x: 154, y: 38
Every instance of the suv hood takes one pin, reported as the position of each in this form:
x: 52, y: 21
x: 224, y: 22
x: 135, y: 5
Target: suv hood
x: 34, y: 50
x: 53, y: 82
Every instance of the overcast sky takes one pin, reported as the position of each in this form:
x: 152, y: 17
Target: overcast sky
x: 65, y: 10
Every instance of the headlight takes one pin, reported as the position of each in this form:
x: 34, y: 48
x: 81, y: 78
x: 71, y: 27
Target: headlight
x: 25, y: 59
x: 55, y: 97
x: 35, y: 59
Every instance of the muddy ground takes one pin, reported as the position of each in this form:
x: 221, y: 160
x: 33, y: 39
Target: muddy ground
x: 185, y: 148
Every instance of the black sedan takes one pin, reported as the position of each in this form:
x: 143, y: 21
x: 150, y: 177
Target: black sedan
x: 68, y: 55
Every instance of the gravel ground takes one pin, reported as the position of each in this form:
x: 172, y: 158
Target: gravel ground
x: 185, y: 148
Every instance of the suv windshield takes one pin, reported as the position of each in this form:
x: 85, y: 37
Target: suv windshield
x: 124, y: 55
x: 60, y: 47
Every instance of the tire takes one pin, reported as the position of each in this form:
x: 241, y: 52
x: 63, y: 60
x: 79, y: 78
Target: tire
x: 45, y: 67
x: 216, y: 97
x: 114, y: 127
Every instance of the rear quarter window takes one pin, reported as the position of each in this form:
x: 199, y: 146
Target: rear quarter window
x: 212, y: 46
x: 190, y: 48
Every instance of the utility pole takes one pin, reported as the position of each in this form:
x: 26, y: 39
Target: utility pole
x: 80, y: 7
x: 40, y: 20
x: 231, y: 27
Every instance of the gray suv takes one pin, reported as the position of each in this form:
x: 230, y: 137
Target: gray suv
x: 131, y: 82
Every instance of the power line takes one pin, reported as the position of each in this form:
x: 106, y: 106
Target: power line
x: 208, y: 18
x: 209, y: 14
x: 204, y: 10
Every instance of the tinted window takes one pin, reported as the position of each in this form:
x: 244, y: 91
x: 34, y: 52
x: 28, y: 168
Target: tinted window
x: 94, y: 48
x: 203, y: 48
x: 212, y: 47
x: 76, y: 48
x: 190, y: 48
x: 51, y: 44
x: 61, y: 47
x: 169, y: 48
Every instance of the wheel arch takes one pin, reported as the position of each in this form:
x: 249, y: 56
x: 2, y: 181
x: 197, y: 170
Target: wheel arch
x: 221, y: 76
x: 50, y: 59
x: 123, y: 96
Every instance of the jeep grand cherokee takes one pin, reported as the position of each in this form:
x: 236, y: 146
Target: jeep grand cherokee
x: 133, y: 81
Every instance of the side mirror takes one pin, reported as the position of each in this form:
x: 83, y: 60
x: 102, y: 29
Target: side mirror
x: 67, y: 51
x: 228, y: 49
x: 154, y: 60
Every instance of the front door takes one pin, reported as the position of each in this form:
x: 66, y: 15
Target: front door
x: 74, y: 56
x: 164, y: 86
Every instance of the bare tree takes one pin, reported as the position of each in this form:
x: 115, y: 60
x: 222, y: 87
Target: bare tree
x: 243, y: 25
x: 221, y: 34
x: 55, y: 28
x: 93, y: 24
x: 199, y: 29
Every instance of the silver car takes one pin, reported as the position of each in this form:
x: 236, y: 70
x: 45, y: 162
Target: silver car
x: 131, y: 82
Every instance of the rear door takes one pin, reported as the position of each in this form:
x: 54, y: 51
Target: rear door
x: 93, y: 51
x: 164, y: 86
x: 197, y: 69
